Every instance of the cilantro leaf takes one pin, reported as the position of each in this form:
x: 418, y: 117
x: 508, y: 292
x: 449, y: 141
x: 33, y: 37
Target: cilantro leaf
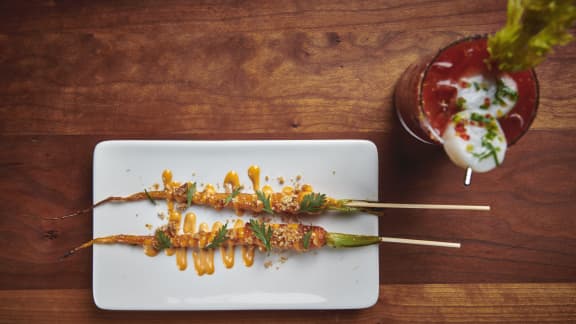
x: 265, y: 200
x: 163, y: 240
x: 312, y: 203
x: 190, y: 194
x: 234, y: 193
x: 306, y: 239
x: 262, y: 232
x: 219, y: 238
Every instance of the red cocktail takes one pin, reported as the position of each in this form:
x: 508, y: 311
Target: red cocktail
x: 426, y: 96
x: 460, y: 99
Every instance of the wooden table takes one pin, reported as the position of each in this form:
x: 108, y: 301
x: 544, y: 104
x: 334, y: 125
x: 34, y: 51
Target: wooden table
x: 73, y: 73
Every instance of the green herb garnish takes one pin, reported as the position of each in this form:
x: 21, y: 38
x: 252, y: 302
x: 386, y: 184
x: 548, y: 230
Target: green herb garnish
x: 231, y: 196
x: 262, y: 232
x: 503, y: 91
x: 163, y: 240
x: 219, y: 238
x: 491, y: 134
x: 480, y: 118
x: 190, y: 194
x: 306, y: 239
x: 533, y: 27
x: 461, y: 102
x: 490, y: 151
x: 149, y: 197
x: 265, y: 200
x: 312, y: 203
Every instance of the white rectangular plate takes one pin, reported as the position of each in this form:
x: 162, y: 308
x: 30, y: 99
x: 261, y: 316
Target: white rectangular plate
x: 125, y: 278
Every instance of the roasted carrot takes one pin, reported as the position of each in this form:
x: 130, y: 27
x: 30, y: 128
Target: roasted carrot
x: 264, y: 236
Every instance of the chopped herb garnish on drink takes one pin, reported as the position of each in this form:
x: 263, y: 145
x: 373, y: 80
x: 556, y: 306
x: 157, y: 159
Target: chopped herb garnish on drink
x: 503, y: 91
x: 461, y: 103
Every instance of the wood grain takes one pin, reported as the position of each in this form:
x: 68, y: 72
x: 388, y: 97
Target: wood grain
x: 471, y: 303
x: 73, y: 73
x: 114, y: 69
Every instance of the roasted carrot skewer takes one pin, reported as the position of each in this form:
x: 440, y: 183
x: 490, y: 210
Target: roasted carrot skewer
x: 291, y: 201
x: 264, y: 236
x: 294, y: 202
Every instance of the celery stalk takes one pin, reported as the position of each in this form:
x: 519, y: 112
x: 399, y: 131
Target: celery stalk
x: 532, y: 29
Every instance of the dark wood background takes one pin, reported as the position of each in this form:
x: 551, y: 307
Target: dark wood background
x: 73, y: 73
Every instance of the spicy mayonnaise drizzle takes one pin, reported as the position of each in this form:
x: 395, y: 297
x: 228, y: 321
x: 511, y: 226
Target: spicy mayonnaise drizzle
x: 203, y: 258
x: 254, y: 175
x: 231, y: 180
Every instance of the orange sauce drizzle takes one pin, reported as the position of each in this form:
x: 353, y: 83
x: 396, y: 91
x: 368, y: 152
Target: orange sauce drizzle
x: 204, y: 258
x: 287, y: 190
x: 199, y: 255
x: 181, y: 259
x: 149, y: 250
x: 254, y: 175
x: 227, y: 253
x: 167, y: 179
x: 169, y: 251
x: 307, y: 188
x: 248, y: 255
x: 267, y: 190
x: 175, y: 217
x: 231, y: 179
x: 189, y: 223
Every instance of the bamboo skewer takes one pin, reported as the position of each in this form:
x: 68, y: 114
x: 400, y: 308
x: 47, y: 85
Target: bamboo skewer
x: 351, y: 204
x: 268, y: 236
x: 367, y: 204
x: 419, y: 242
